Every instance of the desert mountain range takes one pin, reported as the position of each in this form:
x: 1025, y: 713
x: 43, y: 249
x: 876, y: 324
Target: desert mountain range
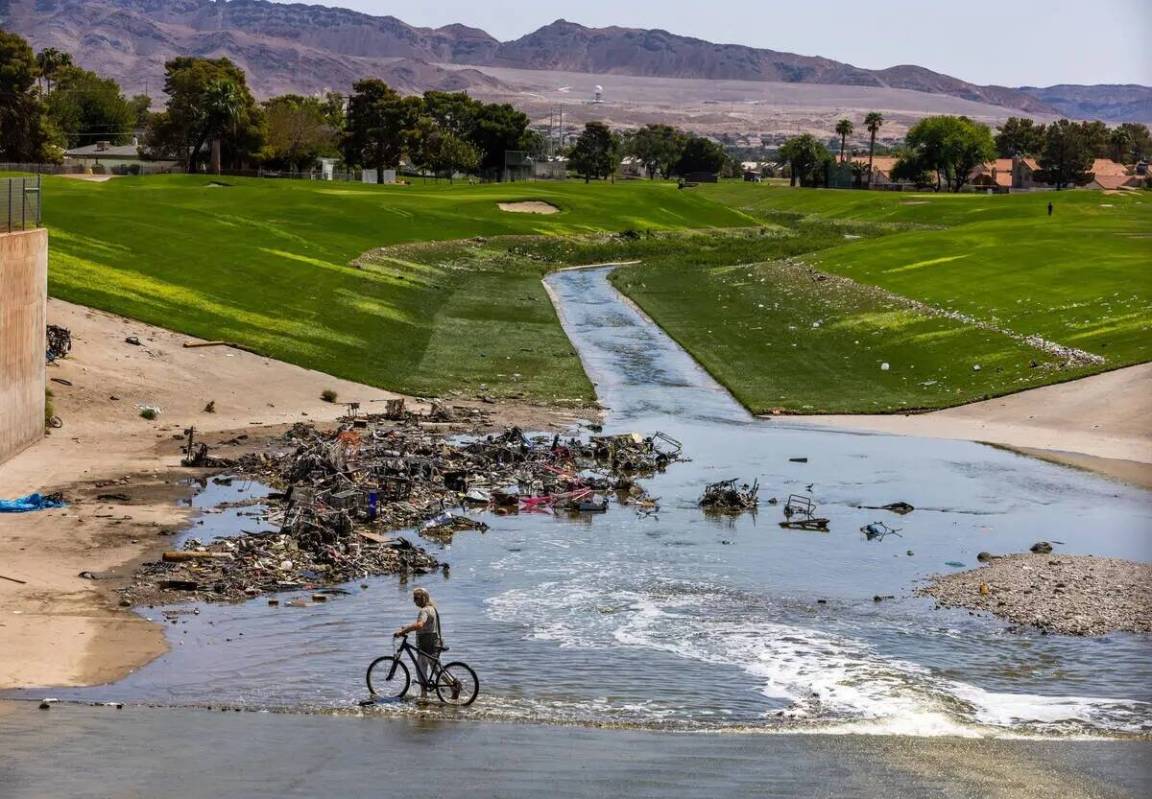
x: 307, y: 48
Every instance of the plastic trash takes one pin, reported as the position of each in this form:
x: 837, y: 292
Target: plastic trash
x: 31, y: 502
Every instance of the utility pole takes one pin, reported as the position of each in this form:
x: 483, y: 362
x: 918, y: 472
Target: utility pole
x: 551, y: 132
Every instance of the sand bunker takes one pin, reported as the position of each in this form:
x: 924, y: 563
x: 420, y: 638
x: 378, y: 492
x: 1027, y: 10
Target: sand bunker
x: 89, y: 178
x: 530, y: 207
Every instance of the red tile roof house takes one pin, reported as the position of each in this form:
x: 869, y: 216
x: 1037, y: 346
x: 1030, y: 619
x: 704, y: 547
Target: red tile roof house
x: 1107, y: 174
x: 1006, y: 173
x: 881, y: 167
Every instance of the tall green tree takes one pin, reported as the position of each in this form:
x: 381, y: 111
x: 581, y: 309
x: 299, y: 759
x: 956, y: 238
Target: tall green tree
x: 951, y: 147
x: 496, y: 129
x: 379, y: 126
x: 844, y: 129
x: 658, y: 147
x: 1137, y: 139
x: 873, y: 122
x: 334, y: 105
x: 700, y: 155
x: 442, y: 152
x: 141, y: 108
x: 208, y: 101
x: 87, y: 108
x: 1019, y: 136
x: 1119, y: 144
x: 1096, y: 136
x: 1067, y: 155
x: 50, y: 61
x: 26, y: 134
x: 596, y: 153
x: 454, y: 112
x: 297, y: 131
x: 807, y: 159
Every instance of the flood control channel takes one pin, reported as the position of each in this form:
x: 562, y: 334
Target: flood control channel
x: 697, y: 624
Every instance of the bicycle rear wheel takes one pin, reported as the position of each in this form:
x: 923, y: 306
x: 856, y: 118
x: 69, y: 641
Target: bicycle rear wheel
x: 457, y: 685
x: 388, y: 677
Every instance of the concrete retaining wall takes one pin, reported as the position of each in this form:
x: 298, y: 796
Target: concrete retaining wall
x: 23, y: 301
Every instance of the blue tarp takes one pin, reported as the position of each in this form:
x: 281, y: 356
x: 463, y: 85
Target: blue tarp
x: 29, y: 502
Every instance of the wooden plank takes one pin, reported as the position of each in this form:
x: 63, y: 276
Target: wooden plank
x: 379, y: 539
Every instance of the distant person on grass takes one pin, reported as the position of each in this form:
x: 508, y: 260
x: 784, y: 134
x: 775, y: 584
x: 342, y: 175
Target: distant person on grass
x: 428, y: 640
x: 1049, y: 209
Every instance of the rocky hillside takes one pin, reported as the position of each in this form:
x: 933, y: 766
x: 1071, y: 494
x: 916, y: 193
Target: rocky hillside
x: 1108, y: 102
x: 305, y: 48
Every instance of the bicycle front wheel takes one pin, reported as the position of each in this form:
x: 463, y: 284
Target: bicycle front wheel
x: 457, y: 685
x: 388, y: 677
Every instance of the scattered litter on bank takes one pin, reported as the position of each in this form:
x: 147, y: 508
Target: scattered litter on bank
x: 32, y: 502
x: 59, y: 342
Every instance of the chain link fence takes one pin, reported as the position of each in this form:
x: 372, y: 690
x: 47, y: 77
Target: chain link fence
x: 19, y: 203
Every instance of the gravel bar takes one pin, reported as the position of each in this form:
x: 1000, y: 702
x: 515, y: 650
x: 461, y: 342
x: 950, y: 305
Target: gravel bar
x: 1066, y: 594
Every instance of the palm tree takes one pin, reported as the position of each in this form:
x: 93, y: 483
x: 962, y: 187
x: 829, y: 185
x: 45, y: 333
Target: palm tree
x: 873, y: 122
x: 50, y: 60
x: 223, y: 106
x: 844, y: 129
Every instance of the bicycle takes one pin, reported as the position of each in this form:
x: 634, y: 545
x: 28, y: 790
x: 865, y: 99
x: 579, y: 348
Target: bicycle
x: 455, y: 683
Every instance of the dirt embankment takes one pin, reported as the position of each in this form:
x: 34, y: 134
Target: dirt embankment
x: 121, y: 476
x: 1067, y: 594
x: 1102, y: 423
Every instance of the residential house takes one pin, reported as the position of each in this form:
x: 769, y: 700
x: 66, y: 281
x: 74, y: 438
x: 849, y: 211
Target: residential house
x: 1006, y: 173
x: 882, y: 166
x: 104, y: 156
x: 1107, y: 174
x: 632, y: 167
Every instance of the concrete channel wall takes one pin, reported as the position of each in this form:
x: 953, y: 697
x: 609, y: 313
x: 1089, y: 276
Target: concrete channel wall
x: 23, y: 303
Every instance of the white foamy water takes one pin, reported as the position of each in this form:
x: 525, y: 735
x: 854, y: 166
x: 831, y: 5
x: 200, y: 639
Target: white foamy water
x: 825, y: 679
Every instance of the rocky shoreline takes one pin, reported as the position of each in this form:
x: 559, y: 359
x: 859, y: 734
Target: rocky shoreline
x: 1066, y: 594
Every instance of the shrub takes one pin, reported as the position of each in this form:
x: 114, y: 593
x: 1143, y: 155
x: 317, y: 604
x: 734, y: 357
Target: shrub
x: 328, y: 395
x: 149, y: 413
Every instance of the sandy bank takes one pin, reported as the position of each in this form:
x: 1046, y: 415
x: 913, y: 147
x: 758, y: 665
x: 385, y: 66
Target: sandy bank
x: 1102, y: 423
x: 60, y: 629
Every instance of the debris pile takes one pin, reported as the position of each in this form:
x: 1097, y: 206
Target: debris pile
x: 726, y: 497
x: 58, y: 342
x: 338, y: 492
x: 233, y: 569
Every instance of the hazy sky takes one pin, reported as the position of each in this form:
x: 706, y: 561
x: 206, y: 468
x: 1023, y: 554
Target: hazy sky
x: 1013, y: 42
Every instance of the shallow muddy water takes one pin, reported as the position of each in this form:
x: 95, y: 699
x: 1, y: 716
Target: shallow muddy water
x: 690, y: 622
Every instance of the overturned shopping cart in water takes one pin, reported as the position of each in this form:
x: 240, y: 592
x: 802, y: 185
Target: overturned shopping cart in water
x: 800, y: 514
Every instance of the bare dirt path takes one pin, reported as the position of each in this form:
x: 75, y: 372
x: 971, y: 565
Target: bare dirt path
x: 122, y: 477
x: 1102, y: 423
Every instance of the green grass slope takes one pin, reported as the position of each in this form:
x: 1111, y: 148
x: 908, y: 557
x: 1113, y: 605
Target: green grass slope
x: 266, y: 263
x: 779, y: 339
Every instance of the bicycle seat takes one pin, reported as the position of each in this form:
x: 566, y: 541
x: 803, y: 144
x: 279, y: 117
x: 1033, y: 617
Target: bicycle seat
x: 443, y: 649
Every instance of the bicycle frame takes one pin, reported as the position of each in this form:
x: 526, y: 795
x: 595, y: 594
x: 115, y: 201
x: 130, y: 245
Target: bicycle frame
x: 413, y: 655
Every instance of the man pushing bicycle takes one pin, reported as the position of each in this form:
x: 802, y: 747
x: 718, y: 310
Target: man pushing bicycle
x: 428, y: 640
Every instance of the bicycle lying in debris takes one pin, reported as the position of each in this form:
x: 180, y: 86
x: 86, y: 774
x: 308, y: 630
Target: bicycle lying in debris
x: 388, y: 677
